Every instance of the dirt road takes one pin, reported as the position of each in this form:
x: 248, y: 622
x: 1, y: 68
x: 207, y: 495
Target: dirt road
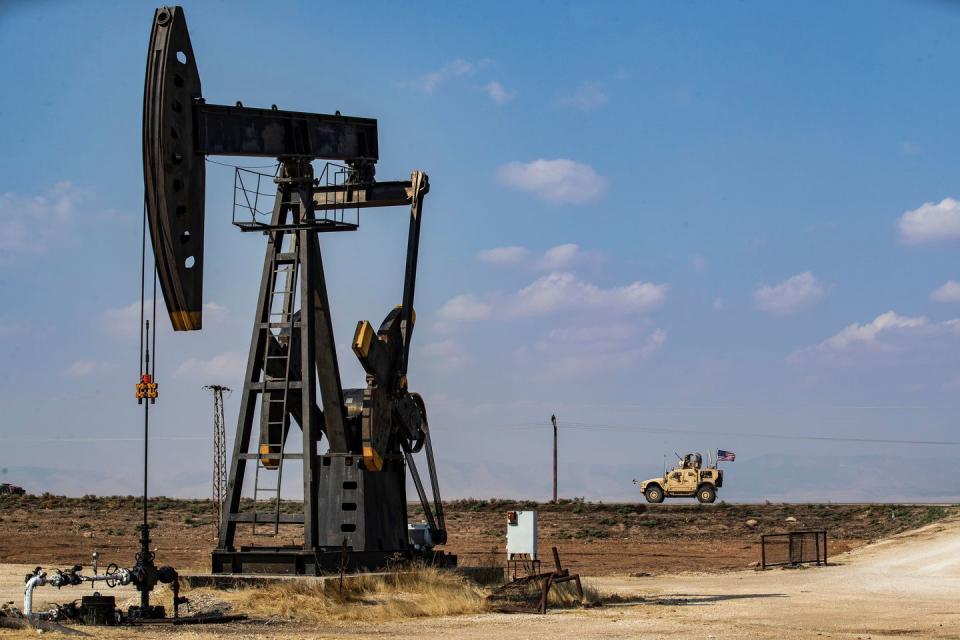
x: 906, y: 586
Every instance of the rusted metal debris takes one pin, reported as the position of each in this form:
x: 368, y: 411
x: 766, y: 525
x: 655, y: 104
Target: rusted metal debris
x: 531, y: 593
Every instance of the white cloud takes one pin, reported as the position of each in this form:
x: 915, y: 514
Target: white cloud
x: 556, y: 292
x: 559, y: 181
x: 225, y: 366
x: 566, y: 256
x: 888, y: 333
x: 464, y: 307
x: 604, y: 347
x: 855, y: 334
x: 559, y: 291
x: 498, y: 93
x: 429, y: 82
x: 82, y: 368
x: 503, y: 255
x: 214, y: 313
x: 560, y: 256
x: 931, y: 222
x: 123, y: 321
x: 588, y: 96
x: 29, y: 224
x: 947, y: 292
x: 789, y: 296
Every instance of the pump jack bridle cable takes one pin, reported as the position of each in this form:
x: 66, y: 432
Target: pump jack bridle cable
x: 153, y: 326
x: 143, y: 260
x: 148, y: 344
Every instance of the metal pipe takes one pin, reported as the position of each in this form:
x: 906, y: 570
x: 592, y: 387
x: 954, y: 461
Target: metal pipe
x: 62, y: 579
x: 37, y: 580
x: 120, y: 577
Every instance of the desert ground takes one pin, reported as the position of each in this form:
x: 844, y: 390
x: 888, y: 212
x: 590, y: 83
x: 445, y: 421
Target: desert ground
x: 894, y: 572
x: 595, y: 539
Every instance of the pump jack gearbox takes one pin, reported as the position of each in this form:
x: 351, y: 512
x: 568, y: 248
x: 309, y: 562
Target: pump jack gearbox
x: 354, y: 504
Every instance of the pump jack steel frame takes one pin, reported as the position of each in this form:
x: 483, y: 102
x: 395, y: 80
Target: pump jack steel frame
x: 354, y: 493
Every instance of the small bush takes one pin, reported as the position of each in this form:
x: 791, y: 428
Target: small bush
x: 933, y: 514
x: 587, y: 533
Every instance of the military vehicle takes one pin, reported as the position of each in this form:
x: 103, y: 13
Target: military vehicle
x: 7, y: 488
x: 688, y: 479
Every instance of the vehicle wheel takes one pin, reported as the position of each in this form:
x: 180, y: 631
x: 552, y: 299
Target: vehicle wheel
x: 706, y: 494
x: 654, y: 494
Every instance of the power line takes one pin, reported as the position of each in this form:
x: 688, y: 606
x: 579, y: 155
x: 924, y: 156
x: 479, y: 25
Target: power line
x: 130, y: 439
x: 248, y: 167
x: 582, y: 426
x: 782, y: 408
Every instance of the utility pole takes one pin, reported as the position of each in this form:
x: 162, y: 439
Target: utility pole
x: 553, y: 419
x: 219, y: 453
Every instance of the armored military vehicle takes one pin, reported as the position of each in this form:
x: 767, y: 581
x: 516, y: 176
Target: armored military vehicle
x: 688, y: 479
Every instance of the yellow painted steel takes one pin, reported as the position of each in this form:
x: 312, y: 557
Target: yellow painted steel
x: 185, y: 320
x: 413, y: 314
x: 270, y: 462
x: 362, y: 338
x: 371, y: 459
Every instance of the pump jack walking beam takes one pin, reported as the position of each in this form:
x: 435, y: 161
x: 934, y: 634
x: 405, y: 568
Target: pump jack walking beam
x: 354, y: 494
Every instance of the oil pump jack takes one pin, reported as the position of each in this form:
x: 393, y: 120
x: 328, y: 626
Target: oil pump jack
x: 354, y: 511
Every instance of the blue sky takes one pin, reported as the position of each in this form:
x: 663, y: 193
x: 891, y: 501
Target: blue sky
x: 649, y: 219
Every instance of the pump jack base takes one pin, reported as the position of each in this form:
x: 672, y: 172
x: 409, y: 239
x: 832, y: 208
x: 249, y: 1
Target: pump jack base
x: 303, y: 562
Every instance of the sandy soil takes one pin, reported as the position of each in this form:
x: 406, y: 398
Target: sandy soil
x: 902, y: 587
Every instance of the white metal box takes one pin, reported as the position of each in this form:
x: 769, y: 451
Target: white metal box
x: 522, y: 534
x: 419, y: 536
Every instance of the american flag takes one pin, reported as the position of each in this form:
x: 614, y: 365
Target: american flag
x: 726, y: 456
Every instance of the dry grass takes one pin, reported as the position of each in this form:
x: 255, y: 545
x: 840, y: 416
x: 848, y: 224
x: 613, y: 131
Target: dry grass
x: 419, y: 592
x: 564, y: 595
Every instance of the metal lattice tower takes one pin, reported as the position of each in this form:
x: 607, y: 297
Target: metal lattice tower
x: 219, y: 452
